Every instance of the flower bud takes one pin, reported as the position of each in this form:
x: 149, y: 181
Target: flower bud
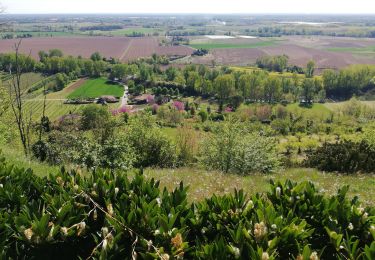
x: 278, y: 192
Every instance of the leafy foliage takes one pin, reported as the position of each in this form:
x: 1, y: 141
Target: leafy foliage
x: 106, y: 215
x: 232, y: 149
x: 344, y: 156
x: 151, y: 146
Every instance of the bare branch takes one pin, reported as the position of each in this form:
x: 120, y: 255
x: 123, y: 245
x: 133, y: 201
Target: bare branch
x: 23, y: 121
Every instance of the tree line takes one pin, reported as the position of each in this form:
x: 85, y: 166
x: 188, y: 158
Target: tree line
x: 223, y: 83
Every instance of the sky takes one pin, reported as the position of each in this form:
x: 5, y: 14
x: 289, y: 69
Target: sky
x: 190, y: 6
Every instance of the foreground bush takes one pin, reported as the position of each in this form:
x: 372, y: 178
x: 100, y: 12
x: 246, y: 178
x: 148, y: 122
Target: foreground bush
x: 232, y: 149
x: 343, y: 156
x: 109, y: 216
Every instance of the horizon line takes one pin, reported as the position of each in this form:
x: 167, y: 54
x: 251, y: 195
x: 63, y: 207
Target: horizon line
x: 187, y: 13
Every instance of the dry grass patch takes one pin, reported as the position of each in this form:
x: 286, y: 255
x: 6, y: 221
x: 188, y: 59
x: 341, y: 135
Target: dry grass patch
x: 203, y: 184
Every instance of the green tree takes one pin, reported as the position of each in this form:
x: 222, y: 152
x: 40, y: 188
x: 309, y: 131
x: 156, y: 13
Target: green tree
x: 151, y: 146
x: 272, y: 89
x: 94, y: 116
x: 231, y: 149
x: 171, y: 73
x: 118, y: 71
x: 116, y: 153
x: 296, y: 90
x: 245, y: 85
x: 310, y: 67
x: 96, y: 56
x: 55, y: 53
x: 224, y: 88
x: 61, y: 81
x: 98, y: 68
x: 42, y: 56
x: 145, y: 73
x: 308, y: 90
x: 193, y: 82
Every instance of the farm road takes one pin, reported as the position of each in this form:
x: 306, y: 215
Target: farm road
x: 124, y: 99
x: 123, y: 55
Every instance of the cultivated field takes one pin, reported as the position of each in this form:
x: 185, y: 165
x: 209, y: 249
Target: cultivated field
x: 55, y: 107
x: 94, y: 88
x: 123, y: 48
x: 327, y: 52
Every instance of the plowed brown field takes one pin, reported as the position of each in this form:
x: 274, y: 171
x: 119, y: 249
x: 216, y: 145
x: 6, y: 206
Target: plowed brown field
x: 123, y: 48
x: 299, y: 50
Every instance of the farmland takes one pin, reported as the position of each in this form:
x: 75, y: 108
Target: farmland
x: 129, y: 31
x: 123, y: 48
x: 95, y: 88
x: 230, y: 45
x: 327, y: 52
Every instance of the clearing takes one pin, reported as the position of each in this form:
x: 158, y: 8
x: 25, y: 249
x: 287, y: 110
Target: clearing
x: 203, y: 184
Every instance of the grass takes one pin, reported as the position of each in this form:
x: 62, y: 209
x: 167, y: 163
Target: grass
x: 128, y: 31
x: 55, y: 108
x: 213, y: 45
x: 340, y: 105
x: 316, y: 110
x: 42, y: 34
x: 355, y: 50
x: 94, y: 88
x: 16, y: 157
x: 27, y: 80
x: 203, y: 184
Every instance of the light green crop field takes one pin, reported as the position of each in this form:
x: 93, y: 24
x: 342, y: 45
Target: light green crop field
x: 54, y: 108
x: 125, y: 31
x: 128, y: 31
x: 355, y: 50
x: 231, y: 45
x: 42, y: 34
x: 28, y: 80
x: 94, y: 88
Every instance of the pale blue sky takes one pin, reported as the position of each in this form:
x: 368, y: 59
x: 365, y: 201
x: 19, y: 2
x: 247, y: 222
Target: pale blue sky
x: 189, y: 6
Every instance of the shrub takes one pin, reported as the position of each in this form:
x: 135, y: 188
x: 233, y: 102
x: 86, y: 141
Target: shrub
x: 217, y: 117
x: 281, y: 126
x: 105, y: 215
x: 94, y: 116
x: 171, y: 117
x: 151, y: 146
x: 231, y: 149
x: 263, y: 112
x: 203, y: 115
x: 187, y: 146
x: 57, y: 148
x: 343, y: 156
x: 179, y: 105
x: 281, y: 112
